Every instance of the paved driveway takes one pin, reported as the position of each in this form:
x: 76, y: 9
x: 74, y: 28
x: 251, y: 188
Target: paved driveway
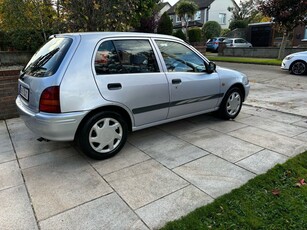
x: 161, y: 174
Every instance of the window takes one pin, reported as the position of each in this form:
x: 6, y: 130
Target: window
x: 305, y: 35
x: 179, y: 58
x: 222, y: 18
x: 48, y: 58
x: 125, y: 56
x: 178, y: 19
x: 197, y: 16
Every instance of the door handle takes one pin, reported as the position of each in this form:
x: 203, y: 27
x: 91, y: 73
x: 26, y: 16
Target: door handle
x: 176, y: 81
x: 114, y: 86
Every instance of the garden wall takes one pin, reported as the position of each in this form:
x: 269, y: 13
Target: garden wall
x: 8, y: 93
x: 14, y: 58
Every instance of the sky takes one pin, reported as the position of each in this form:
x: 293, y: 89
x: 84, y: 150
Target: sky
x: 173, y: 2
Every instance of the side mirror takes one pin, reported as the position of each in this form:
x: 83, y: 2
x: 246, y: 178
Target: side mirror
x: 211, y: 66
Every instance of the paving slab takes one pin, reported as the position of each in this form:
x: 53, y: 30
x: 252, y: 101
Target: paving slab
x: 15, y: 209
x: 143, y: 183
x: 173, y: 206
x: 10, y: 175
x: 262, y: 161
x: 127, y: 157
x: 302, y: 137
x: 6, y: 148
x: 272, y: 141
x: 274, y: 126
x: 302, y: 123
x: 214, y: 175
x: 107, y: 212
x: 25, y: 142
x: 273, y: 115
x: 47, y: 157
x: 63, y: 184
x: 167, y: 149
x: 222, y: 145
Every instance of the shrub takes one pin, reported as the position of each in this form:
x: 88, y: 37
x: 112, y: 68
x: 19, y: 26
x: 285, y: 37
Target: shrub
x: 165, y: 25
x: 194, y: 35
x: 224, y: 32
x: 238, y: 24
x: 26, y: 40
x: 180, y: 34
x: 211, y: 29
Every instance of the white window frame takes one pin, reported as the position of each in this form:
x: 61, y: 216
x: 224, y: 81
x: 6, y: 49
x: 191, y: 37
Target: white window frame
x: 197, y: 16
x: 222, y: 18
x: 305, y: 34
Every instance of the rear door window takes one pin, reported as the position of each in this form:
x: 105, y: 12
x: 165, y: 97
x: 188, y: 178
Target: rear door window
x: 125, y: 56
x: 46, y: 61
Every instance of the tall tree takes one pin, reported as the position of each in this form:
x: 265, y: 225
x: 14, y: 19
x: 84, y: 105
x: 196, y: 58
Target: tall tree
x: 186, y: 9
x: 165, y: 25
x: 36, y: 15
x: 287, y: 14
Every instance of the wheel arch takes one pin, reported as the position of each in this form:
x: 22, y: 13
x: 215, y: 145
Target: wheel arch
x: 110, y: 108
x: 240, y: 87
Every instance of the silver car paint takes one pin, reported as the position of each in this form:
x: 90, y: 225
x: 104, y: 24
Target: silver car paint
x: 79, y: 92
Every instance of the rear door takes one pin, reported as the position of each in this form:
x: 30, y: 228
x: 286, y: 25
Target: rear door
x: 191, y: 88
x: 127, y: 73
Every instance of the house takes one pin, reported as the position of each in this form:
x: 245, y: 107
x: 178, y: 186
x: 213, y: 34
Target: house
x: 163, y: 7
x: 209, y: 10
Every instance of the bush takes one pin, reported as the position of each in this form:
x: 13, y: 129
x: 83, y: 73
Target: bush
x: 224, y: 32
x: 4, y: 41
x: 194, y: 35
x: 180, y: 34
x: 211, y: 29
x: 238, y: 24
x: 165, y: 25
x: 26, y: 40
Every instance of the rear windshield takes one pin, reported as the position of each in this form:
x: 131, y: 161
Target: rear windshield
x: 46, y: 61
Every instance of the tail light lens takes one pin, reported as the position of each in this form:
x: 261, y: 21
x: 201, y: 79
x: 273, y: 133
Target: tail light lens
x: 216, y: 43
x: 50, y: 100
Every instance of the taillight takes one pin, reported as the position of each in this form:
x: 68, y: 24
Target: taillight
x: 216, y: 43
x: 50, y: 100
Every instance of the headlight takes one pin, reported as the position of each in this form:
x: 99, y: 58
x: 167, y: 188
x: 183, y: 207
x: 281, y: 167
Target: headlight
x: 245, y: 80
x: 288, y: 57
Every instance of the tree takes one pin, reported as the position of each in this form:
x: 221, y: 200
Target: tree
x: 185, y: 10
x: 35, y: 15
x: 165, y: 25
x: 211, y: 29
x: 287, y: 14
x: 238, y: 24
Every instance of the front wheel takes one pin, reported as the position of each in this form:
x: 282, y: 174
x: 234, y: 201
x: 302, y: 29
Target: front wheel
x: 103, y: 135
x: 298, y: 68
x: 231, y: 104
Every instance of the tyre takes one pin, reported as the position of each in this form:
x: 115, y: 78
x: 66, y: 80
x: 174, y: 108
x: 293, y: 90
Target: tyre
x: 103, y: 135
x: 231, y: 104
x: 298, y: 68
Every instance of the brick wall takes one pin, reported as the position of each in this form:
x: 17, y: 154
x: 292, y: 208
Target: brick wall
x: 8, y: 93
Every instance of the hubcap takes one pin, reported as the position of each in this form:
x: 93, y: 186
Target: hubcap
x: 105, y: 135
x: 233, y: 103
x: 298, y: 68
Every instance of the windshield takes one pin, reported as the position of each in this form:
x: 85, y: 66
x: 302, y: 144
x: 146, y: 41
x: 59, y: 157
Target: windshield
x: 48, y: 58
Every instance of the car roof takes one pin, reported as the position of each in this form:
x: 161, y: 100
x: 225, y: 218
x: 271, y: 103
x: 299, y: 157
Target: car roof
x: 101, y: 35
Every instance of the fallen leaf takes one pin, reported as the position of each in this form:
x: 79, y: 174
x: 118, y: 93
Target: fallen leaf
x: 276, y: 192
x: 300, y: 183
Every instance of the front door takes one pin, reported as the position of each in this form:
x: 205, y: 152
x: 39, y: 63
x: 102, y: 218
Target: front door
x: 192, y: 89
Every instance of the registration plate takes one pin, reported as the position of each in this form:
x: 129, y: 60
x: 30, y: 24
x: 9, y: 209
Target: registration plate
x: 24, y: 92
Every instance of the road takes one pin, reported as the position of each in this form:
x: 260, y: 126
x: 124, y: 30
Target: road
x: 273, y: 88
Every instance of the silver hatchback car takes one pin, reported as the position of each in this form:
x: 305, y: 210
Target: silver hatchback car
x: 96, y: 87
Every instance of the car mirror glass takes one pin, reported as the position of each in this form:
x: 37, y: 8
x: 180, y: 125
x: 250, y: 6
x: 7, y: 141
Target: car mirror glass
x: 211, y: 66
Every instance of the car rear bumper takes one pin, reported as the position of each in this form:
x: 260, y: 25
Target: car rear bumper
x: 57, y: 127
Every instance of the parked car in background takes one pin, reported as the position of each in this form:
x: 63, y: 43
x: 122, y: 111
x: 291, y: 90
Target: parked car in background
x: 213, y: 43
x: 296, y: 63
x: 96, y: 87
x: 237, y: 43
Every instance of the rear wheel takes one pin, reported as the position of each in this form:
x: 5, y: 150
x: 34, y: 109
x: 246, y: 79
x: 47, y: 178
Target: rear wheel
x: 103, y: 135
x: 231, y: 104
x: 298, y: 67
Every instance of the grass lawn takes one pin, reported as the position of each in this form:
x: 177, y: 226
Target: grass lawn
x: 262, y: 61
x: 275, y: 200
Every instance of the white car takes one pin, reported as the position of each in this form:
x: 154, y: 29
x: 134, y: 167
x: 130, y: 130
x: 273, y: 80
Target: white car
x: 296, y: 63
x: 237, y: 43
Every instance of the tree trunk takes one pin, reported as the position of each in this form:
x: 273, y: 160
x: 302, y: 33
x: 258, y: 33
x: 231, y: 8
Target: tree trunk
x: 281, y: 53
